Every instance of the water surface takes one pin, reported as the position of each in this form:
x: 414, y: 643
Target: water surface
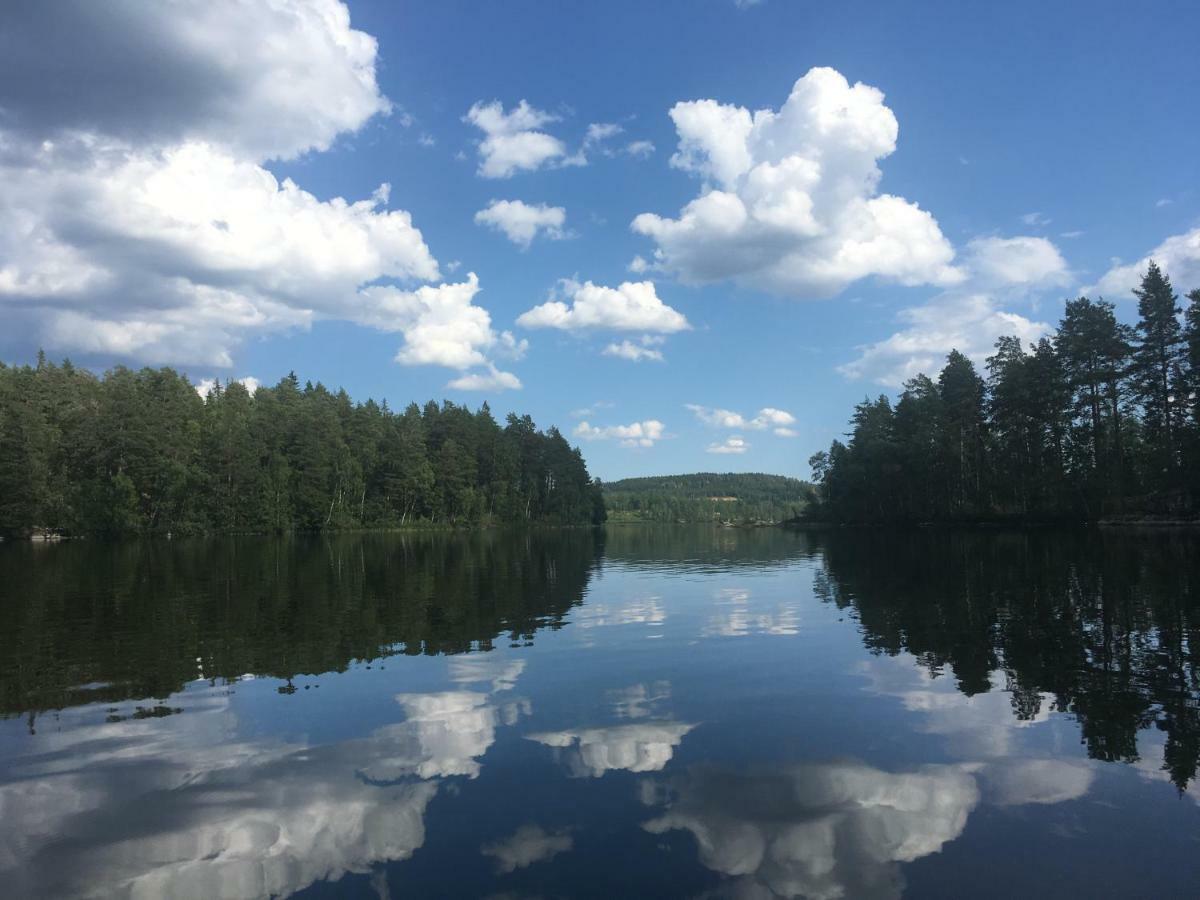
x: 640, y: 711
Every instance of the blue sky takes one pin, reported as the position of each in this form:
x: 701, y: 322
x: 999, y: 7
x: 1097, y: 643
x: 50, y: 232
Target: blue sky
x: 996, y: 159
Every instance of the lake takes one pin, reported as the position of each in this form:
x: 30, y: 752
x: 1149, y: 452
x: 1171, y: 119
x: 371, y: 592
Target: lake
x: 636, y: 711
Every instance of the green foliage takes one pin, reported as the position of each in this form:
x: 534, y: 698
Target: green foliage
x: 1102, y: 419
x: 143, y: 452
x: 707, y: 497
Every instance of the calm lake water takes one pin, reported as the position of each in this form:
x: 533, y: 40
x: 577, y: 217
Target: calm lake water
x: 641, y: 711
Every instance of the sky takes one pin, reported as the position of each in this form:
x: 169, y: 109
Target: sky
x: 691, y: 235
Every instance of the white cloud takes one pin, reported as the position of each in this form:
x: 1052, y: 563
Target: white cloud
x: 529, y: 844
x: 1163, y: 201
x: 138, y: 219
x: 637, y: 434
x: 644, y: 349
x: 512, y: 141
x: 789, y: 201
x: 260, y: 80
x: 968, y: 318
x: 641, y: 747
x: 521, y: 222
x: 1011, y: 262
x: 733, y: 444
x: 205, y: 385
x: 585, y: 412
x: 1035, y: 219
x: 967, y: 323
x: 440, y: 323
x: 640, y: 149
x: 1178, y: 256
x: 598, y: 132
x: 633, y: 306
x: 767, y: 417
x: 492, y: 380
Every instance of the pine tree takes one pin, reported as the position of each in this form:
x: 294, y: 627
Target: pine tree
x: 1157, y: 369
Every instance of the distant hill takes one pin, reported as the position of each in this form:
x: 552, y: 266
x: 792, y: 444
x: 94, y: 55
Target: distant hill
x: 707, y: 497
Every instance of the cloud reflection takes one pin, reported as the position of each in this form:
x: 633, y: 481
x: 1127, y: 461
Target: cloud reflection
x: 738, y: 616
x: 820, y: 831
x: 178, y: 807
x: 529, y: 844
x: 641, y: 747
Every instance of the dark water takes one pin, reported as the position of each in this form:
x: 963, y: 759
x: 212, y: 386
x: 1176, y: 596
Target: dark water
x: 645, y: 711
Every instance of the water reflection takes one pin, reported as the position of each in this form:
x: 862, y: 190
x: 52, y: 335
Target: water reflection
x: 183, y: 810
x: 527, y: 845
x: 840, y: 829
x: 892, y: 705
x: 1105, y: 627
x: 820, y: 831
x: 179, y: 811
x: 93, y: 622
x: 590, y: 752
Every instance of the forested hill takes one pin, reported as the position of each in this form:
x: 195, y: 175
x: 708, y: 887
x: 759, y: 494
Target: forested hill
x: 1100, y: 419
x: 143, y: 452
x: 707, y: 497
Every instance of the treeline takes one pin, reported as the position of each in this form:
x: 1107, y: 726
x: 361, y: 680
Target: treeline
x: 142, y: 452
x: 707, y: 497
x: 1102, y: 419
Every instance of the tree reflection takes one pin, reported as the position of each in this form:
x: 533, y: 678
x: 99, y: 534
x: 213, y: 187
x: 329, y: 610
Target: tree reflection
x: 1107, y: 625
x: 94, y: 622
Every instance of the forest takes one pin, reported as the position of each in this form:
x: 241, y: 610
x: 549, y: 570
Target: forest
x: 143, y: 452
x: 1100, y: 420
x: 736, y: 498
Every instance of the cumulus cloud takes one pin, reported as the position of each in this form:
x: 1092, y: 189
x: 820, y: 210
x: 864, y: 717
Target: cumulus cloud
x: 529, y: 844
x: 632, y: 306
x: 638, y: 434
x: 138, y: 218
x: 1178, y: 256
x: 441, y: 326
x: 206, y: 385
x: 733, y: 444
x: 968, y: 323
x: 521, y: 222
x: 641, y: 747
x: 644, y: 349
x: 789, y: 201
x: 492, y: 380
x: 262, y: 80
x: 512, y: 140
x: 970, y: 317
x: 777, y: 420
x: 1015, y: 262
